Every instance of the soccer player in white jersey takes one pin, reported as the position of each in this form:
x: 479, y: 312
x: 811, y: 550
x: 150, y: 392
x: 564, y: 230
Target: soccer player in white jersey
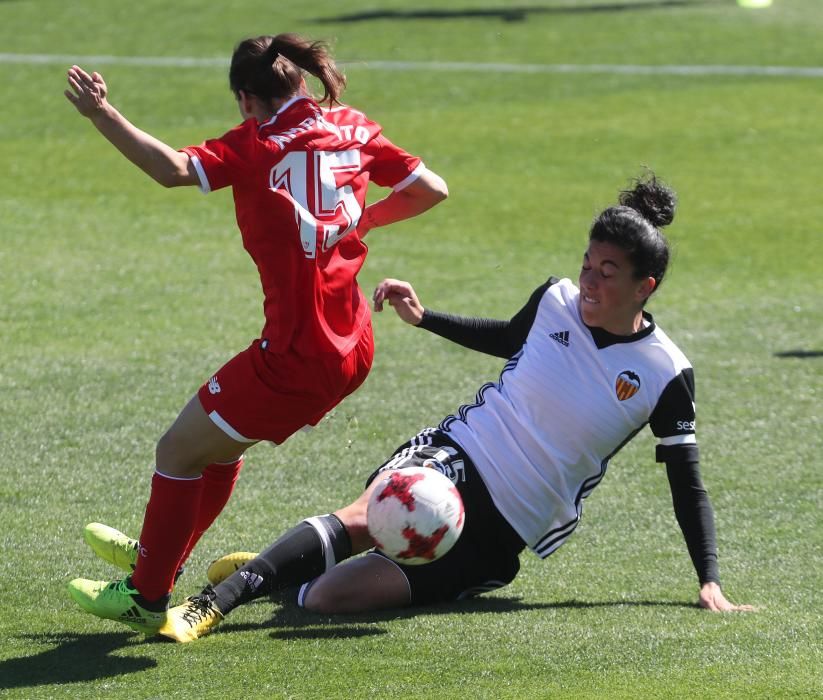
x: 587, y: 368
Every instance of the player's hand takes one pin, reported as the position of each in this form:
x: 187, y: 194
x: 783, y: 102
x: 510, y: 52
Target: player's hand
x: 712, y: 598
x: 88, y: 92
x: 402, y: 297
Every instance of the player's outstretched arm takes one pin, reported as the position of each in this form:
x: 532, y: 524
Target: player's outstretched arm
x: 422, y: 194
x: 712, y: 598
x: 402, y: 297
x: 489, y: 336
x: 161, y: 162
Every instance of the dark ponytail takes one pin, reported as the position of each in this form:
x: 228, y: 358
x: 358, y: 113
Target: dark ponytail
x: 652, y: 198
x: 634, y: 226
x: 271, y: 67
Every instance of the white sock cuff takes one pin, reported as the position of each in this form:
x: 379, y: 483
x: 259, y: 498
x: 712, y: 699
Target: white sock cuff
x: 323, y: 532
x: 228, y: 464
x: 177, y: 478
x: 301, y: 594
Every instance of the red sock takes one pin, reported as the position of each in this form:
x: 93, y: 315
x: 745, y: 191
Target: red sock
x: 218, y: 484
x: 170, y: 519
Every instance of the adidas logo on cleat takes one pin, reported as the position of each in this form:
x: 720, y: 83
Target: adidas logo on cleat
x: 561, y: 337
x: 117, y: 600
x: 133, y: 615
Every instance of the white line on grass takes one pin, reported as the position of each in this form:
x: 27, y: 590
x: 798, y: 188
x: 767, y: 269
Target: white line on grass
x: 622, y: 69
x: 443, y: 66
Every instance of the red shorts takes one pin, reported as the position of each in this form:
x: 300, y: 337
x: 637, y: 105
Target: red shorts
x: 259, y: 395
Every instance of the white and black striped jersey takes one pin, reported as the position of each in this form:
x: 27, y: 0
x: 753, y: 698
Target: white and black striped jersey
x: 568, y: 398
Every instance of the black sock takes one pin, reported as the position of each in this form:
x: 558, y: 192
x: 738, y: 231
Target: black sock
x: 300, y: 555
x: 158, y: 605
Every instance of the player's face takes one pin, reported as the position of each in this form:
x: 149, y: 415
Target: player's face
x: 610, y: 297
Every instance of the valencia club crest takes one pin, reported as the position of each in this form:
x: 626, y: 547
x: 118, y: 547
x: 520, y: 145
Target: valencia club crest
x: 626, y: 385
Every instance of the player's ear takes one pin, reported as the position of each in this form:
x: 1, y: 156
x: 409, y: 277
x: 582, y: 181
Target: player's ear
x: 645, y: 288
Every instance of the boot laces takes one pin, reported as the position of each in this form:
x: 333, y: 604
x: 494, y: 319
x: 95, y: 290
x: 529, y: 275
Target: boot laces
x: 120, y: 586
x: 198, y: 608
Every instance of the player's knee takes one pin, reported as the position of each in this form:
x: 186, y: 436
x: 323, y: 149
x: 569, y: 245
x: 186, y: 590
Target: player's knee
x: 166, y: 449
x: 323, y: 598
x: 171, y: 458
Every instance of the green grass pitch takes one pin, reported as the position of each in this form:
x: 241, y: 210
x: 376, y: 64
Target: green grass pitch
x: 119, y: 298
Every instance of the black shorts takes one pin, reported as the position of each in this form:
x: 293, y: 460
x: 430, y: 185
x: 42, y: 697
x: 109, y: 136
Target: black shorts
x: 486, y: 555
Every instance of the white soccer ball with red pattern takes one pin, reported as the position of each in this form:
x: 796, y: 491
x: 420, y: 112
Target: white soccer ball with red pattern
x: 415, y: 515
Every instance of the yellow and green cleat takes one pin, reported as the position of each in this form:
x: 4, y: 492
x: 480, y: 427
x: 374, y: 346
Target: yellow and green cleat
x: 112, y: 545
x: 118, y: 601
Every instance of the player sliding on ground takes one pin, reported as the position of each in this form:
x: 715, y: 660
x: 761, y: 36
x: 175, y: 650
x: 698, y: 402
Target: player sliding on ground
x: 299, y: 176
x: 587, y: 368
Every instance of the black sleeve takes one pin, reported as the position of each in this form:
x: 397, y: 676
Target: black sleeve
x: 498, y: 338
x: 673, y: 416
x: 694, y: 513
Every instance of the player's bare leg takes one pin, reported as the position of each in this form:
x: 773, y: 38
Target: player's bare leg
x: 372, y: 582
x: 194, y: 441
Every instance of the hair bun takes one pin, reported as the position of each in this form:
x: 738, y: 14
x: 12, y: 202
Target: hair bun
x: 653, y: 199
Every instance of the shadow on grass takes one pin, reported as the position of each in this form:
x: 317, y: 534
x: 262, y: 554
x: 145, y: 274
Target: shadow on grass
x: 292, y: 623
x: 803, y: 354
x: 508, y: 14
x: 76, y: 658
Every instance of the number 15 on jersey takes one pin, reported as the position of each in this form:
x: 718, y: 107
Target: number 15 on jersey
x: 333, y: 211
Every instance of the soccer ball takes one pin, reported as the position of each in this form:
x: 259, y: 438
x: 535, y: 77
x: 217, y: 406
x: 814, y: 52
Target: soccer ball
x: 415, y: 515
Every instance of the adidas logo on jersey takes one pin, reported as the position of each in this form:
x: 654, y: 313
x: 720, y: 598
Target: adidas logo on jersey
x: 214, y: 387
x: 561, y: 337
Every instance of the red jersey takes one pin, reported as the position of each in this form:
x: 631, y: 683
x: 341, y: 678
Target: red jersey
x: 299, y: 182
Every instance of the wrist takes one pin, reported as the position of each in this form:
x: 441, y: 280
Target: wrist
x: 424, y: 316
x: 103, y: 113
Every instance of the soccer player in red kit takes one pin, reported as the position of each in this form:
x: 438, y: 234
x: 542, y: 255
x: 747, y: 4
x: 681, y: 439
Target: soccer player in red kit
x: 299, y: 175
